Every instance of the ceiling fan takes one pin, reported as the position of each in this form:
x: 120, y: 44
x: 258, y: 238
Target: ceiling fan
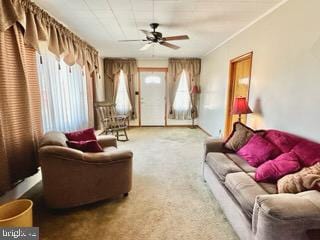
x: 156, y: 37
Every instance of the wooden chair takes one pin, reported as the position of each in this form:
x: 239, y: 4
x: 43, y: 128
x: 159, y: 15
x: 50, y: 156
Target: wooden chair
x: 111, y: 121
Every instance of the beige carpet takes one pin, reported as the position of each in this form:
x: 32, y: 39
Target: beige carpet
x: 168, y: 201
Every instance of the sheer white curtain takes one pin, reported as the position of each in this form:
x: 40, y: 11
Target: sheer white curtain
x: 182, y: 101
x: 63, y: 90
x: 123, y: 105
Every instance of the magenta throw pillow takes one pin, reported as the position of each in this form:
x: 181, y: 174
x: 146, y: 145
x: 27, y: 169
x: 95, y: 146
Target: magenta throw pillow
x: 82, y: 135
x: 85, y: 146
x: 258, y: 150
x: 272, y: 170
x: 282, y: 140
x: 308, y: 152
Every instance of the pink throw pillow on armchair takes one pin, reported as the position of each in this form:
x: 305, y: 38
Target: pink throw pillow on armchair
x: 258, y: 150
x: 82, y: 135
x: 85, y: 146
x: 272, y: 170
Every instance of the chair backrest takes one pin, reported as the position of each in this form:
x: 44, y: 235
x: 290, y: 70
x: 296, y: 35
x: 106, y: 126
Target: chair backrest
x: 108, y: 115
x: 54, y: 138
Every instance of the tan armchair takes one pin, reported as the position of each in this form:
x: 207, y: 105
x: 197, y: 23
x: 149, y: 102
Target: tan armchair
x: 72, y: 178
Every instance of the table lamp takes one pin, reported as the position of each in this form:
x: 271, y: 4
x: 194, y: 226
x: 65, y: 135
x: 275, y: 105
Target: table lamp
x: 240, y: 106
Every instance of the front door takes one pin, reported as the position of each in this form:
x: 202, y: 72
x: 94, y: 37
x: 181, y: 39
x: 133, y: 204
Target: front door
x: 152, y: 97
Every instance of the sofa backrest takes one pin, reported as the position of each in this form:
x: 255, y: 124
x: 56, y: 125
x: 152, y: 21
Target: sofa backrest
x: 54, y: 138
x: 307, y: 150
x: 283, y: 140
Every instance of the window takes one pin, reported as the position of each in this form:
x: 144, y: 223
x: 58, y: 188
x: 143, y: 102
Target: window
x: 123, y: 105
x: 64, y: 105
x: 152, y: 80
x: 182, y: 101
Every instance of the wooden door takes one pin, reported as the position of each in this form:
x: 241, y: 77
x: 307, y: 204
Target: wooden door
x: 239, y: 86
x: 152, y: 97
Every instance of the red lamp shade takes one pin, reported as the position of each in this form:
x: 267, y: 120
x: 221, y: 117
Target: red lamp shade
x: 195, y: 90
x: 240, y: 106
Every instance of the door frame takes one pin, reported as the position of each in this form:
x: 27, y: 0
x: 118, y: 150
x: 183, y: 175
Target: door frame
x: 153, y: 69
x: 230, y: 89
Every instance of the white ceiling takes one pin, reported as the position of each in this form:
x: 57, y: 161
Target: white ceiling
x: 207, y: 22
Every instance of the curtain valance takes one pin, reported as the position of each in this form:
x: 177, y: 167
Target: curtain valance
x: 39, y: 26
x: 114, y: 65
x: 192, y: 66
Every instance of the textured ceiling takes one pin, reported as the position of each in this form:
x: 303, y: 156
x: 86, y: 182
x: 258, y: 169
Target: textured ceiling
x: 207, y: 22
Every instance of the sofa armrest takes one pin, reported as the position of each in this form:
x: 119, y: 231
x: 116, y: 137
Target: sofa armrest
x: 107, y: 141
x: 104, y: 157
x: 286, y: 216
x: 59, y: 152
x: 215, y: 145
x: 63, y: 153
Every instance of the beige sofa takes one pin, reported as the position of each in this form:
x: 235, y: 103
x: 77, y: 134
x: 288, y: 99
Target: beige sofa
x: 72, y: 178
x: 256, y: 210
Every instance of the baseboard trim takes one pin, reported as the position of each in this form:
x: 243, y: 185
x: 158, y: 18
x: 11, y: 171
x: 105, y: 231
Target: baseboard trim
x: 204, y: 131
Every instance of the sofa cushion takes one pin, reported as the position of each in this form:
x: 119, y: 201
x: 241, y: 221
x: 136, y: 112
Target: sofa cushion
x: 221, y: 165
x: 85, y: 146
x: 109, y: 149
x: 82, y: 135
x: 241, y: 163
x: 54, y: 139
x: 258, y: 150
x: 270, y: 188
x: 272, y: 170
x: 239, y: 137
x: 244, y: 189
x: 282, y: 140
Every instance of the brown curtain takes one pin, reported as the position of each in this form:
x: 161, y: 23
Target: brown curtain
x: 91, y: 78
x: 112, y: 68
x: 23, y: 22
x: 20, y: 122
x: 192, y: 67
x: 96, y: 119
x: 38, y: 25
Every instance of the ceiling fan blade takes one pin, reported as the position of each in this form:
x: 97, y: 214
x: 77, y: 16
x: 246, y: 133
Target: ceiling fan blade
x: 174, y: 38
x: 169, y: 45
x: 147, y: 33
x: 135, y: 40
x: 145, y: 47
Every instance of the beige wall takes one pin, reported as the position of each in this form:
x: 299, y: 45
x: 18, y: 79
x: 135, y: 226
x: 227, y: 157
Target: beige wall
x: 157, y: 63
x: 285, y: 73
